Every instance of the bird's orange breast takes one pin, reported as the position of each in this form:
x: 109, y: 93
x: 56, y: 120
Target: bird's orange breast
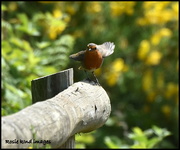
x: 92, y: 60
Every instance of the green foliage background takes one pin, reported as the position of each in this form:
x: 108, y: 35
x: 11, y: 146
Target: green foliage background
x: 141, y: 77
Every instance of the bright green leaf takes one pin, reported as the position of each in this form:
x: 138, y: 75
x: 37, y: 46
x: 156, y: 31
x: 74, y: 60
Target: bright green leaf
x: 110, y: 143
x: 152, y: 142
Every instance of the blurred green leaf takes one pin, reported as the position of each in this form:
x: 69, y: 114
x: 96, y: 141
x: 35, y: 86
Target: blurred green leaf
x: 138, y: 135
x: 85, y: 138
x: 146, y: 139
x: 161, y: 132
x: 26, y: 26
x: 43, y: 44
x: 110, y: 143
x: 138, y: 131
x: 3, y: 7
x: 152, y: 142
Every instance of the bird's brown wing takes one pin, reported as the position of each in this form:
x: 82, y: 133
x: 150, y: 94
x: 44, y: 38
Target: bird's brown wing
x: 78, y: 56
x: 106, y: 48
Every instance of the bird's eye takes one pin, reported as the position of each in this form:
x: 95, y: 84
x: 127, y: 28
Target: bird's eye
x: 93, y: 48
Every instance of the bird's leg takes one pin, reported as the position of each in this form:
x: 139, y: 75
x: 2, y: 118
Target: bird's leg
x: 87, y: 76
x: 95, y: 78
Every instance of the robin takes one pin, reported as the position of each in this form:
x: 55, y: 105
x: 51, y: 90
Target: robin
x: 92, y: 57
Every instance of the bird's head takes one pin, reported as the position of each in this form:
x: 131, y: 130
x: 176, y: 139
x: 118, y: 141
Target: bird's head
x: 91, y: 47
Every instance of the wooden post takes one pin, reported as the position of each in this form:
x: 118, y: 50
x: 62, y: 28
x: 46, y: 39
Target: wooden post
x: 47, y: 87
x: 81, y: 108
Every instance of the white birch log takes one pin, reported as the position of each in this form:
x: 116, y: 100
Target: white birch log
x: 82, y: 107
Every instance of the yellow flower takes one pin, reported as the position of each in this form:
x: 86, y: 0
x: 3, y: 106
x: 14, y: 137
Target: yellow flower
x: 94, y: 7
x: 112, y: 78
x: 70, y: 9
x: 117, y: 67
x: 54, y: 30
x: 154, y: 58
x: 142, y: 21
x: 161, y: 5
x: 54, y: 24
x: 155, y: 39
x: 118, y: 8
x: 78, y: 33
x: 166, y: 109
x: 12, y: 6
x: 143, y: 49
x: 158, y: 13
x: 149, y: 5
x: 171, y: 90
x: 166, y: 16
x: 98, y: 72
x: 158, y: 17
x: 30, y: 147
x: 164, y: 32
x: 151, y: 96
x: 147, y: 81
x: 57, y: 13
x: 175, y: 8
